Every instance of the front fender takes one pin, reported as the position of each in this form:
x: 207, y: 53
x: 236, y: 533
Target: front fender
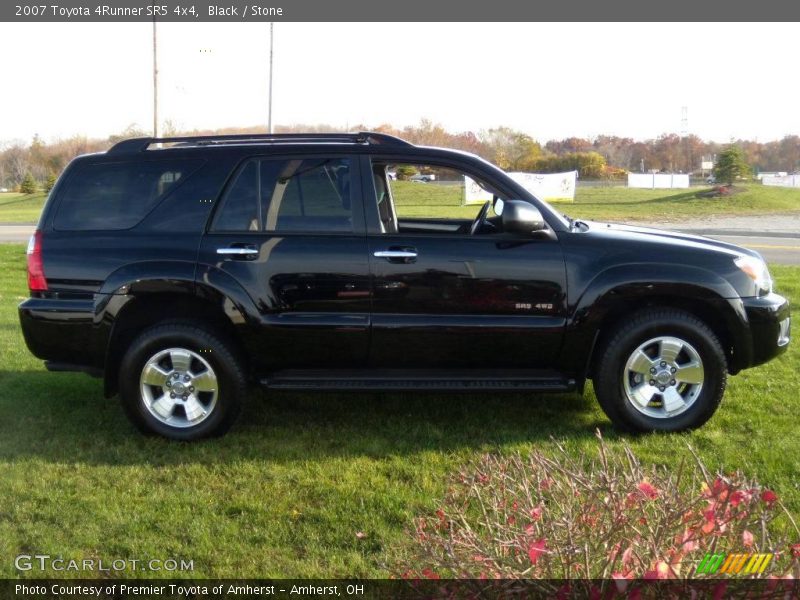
x: 627, y: 287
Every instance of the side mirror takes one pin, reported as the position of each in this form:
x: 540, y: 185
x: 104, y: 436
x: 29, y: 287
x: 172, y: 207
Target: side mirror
x: 521, y: 217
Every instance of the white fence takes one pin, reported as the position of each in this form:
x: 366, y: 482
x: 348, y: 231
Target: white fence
x: 547, y: 186
x: 782, y: 181
x: 658, y: 180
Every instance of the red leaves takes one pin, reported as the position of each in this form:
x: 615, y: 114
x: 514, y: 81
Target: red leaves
x: 769, y: 497
x: 536, y: 549
x: 536, y: 513
x: 648, y: 490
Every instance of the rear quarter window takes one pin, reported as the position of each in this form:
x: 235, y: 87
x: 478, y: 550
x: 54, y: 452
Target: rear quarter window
x: 118, y: 195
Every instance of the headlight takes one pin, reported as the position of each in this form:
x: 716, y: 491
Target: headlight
x: 755, y: 269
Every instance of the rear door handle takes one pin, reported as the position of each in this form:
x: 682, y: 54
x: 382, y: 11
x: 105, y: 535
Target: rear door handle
x: 403, y: 255
x: 240, y: 252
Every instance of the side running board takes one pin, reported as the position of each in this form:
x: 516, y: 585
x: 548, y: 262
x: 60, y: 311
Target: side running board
x: 503, y: 380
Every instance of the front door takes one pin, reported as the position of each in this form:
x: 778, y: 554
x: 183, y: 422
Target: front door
x: 446, y: 296
x: 290, y: 232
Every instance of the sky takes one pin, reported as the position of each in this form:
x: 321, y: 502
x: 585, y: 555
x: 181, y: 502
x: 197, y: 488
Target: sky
x: 548, y: 80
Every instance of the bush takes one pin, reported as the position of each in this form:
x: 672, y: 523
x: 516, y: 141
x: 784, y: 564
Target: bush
x: 28, y: 185
x: 543, y: 517
x: 405, y: 172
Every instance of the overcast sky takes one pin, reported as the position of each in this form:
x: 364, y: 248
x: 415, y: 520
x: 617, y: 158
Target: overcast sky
x: 549, y: 80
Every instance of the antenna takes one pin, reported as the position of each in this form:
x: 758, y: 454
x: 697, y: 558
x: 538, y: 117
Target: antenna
x: 684, y: 121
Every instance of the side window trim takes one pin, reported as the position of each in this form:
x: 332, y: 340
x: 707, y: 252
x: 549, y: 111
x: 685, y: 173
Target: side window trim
x: 356, y: 194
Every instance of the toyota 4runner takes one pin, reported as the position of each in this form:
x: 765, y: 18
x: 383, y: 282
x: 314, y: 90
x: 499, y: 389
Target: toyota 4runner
x: 182, y: 270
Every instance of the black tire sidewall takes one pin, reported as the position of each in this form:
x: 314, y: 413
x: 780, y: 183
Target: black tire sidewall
x: 204, y: 344
x: 610, y: 388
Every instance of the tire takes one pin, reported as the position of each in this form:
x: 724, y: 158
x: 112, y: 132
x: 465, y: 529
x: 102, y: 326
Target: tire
x: 198, y: 366
x: 655, y: 354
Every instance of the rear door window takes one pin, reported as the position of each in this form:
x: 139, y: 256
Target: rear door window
x: 311, y: 195
x: 114, y: 196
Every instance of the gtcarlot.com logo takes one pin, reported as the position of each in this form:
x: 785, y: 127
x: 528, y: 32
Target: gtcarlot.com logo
x: 46, y: 562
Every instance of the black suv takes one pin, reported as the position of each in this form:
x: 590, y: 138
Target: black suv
x: 183, y: 269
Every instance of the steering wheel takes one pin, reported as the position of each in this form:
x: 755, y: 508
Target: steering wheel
x: 481, y: 218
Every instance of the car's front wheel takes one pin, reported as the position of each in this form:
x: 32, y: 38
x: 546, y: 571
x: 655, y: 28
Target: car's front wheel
x: 663, y: 370
x: 181, y: 381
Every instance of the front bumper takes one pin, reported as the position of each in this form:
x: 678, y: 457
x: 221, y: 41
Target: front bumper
x: 770, y: 326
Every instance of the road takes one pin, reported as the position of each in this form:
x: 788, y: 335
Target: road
x: 776, y: 247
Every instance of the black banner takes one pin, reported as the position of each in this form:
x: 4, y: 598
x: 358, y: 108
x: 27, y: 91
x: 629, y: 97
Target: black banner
x: 190, y: 11
x: 396, y: 589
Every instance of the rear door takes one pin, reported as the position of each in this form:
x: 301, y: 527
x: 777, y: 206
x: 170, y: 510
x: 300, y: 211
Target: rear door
x: 290, y: 231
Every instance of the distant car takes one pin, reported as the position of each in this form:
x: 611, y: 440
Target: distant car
x: 422, y: 178
x: 3, y: 190
x: 711, y: 179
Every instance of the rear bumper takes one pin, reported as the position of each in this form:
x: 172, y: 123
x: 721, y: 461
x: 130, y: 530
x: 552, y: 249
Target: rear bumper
x: 770, y: 326
x: 63, y: 331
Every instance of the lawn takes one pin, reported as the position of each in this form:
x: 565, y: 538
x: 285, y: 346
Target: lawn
x: 608, y: 203
x: 286, y: 491
x: 20, y: 208
x: 630, y: 204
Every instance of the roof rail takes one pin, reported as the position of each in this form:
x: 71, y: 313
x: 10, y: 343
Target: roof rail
x: 362, y: 137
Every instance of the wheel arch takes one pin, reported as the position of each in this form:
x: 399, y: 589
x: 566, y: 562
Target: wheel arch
x: 616, y: 293
x: 717, y: 314
x: 134, y: 311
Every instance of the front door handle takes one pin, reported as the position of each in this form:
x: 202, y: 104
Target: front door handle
x: 402, y: 255
x: 240, y: 252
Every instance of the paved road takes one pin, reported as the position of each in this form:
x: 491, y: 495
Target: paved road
x: 15, y: 233
x: 777, y: 246
x: 780, y: 250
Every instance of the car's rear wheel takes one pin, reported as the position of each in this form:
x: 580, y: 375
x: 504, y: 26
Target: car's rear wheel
x: 181, y: 381
x: 663, y: 370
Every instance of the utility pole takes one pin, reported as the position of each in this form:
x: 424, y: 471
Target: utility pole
x: 271, y: 37
x: 155, y: 78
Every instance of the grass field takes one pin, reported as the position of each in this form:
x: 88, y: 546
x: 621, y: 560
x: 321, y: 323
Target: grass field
x: 20, y: 208
x: 609, y: 203
x: 286, y: 491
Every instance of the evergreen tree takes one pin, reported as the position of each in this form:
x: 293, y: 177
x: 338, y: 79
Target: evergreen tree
x: 730, y: 165
x: 28, y: 185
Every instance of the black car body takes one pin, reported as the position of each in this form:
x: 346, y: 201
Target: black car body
x: 522, y: 300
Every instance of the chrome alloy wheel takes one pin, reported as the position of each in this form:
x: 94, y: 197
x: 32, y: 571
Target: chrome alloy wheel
x: 663, y: 377
x: 179, y: 387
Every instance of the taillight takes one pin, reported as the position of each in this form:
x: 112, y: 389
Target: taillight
x: 36, y: 278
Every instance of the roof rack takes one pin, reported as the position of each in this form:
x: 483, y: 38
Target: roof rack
x: 362, y: 137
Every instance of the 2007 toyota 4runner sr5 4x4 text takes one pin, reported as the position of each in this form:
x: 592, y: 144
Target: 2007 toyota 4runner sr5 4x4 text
x: 181, y: 270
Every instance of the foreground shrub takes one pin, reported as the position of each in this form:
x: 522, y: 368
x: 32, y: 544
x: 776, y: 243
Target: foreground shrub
x: 557, y: 516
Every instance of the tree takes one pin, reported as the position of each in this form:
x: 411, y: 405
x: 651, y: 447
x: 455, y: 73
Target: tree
x: 49, y: 183
x: 730, y: 165
x: 405, y: 172
x: 28, y: 185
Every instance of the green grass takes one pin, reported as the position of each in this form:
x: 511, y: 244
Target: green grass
x: 286, y: 491
x: 20, y: 208
x: 608, y: 203
x: 613, y: 203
